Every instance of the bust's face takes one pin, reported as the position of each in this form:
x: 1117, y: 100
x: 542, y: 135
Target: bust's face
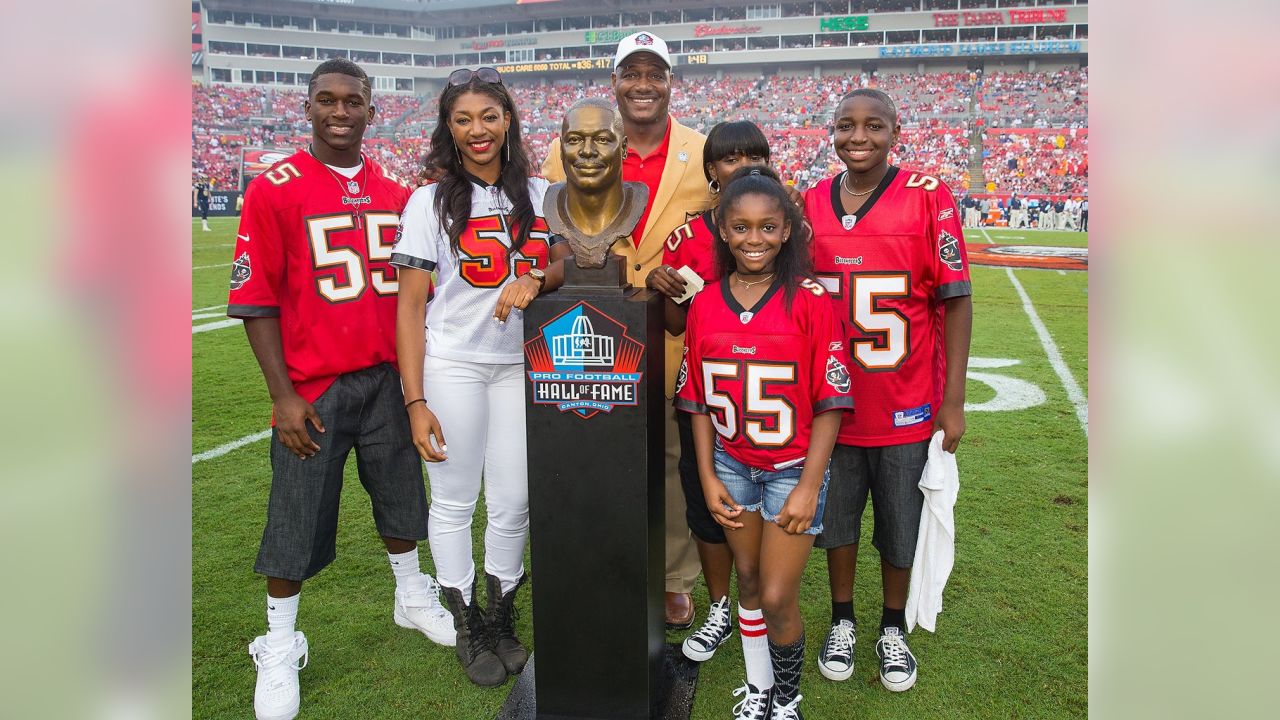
x: 592, y: 149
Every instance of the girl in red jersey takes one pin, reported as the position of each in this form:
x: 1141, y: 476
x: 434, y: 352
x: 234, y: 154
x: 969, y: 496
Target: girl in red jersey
x: 763, y: 369
x: 888, y: 242
x: 730, y: 146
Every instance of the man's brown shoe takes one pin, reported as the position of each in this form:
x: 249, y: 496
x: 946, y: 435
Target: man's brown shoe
x: 679, y: 611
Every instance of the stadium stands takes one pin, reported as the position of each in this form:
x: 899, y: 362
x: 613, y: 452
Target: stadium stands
x: 1032, y: 126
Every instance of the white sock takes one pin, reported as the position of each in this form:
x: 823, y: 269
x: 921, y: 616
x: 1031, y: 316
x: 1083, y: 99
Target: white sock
x: 405, y: 567
x: 755, y: 648
x: 282, y: 614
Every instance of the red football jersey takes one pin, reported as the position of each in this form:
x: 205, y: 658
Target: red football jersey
x: 313, y: 249
x: 763, y: 374
x: 889, y: 269
x: 692, y: 244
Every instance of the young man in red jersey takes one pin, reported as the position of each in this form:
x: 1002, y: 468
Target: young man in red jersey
x: 313, y: 282
x: 889, y: 247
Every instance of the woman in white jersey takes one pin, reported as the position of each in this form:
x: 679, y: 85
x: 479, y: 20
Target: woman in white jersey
x: 478, y: 228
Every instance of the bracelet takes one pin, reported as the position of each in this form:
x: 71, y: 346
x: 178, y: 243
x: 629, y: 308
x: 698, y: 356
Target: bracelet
x: 419, y: 400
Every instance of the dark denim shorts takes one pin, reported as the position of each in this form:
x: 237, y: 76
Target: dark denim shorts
x: 363, y: 410
x: 892, y: 476
x: 701, y: 524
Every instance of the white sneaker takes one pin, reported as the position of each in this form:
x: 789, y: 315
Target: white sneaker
x: 835, y: 661
x: 421, y: 610
x: 275, y: 697
x: 755, y: 706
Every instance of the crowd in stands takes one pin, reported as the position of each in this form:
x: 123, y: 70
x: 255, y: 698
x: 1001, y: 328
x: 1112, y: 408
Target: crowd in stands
x: 1034, y: 161
x: 1035, y: 99
x: 937, y: 111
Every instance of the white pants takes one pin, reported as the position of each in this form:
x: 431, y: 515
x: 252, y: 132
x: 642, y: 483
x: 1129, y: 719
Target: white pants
x: 481, y: 412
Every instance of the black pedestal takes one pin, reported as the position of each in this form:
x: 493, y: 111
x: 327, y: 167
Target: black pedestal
x: 679, y: 684
x: 594, y: 390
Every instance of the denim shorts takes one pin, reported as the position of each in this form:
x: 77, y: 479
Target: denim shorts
x: 361, y: 411
x: 765, y: 491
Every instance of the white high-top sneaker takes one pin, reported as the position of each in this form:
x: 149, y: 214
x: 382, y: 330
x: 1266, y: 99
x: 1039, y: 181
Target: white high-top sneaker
x: 421, y: 610
x: 276, y: 696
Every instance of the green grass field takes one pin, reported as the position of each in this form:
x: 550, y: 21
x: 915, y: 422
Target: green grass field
x: 1011, y: 643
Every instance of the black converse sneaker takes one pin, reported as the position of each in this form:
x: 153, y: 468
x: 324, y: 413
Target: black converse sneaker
x: 788, y: 711
x: 835, y: 661
x: 755, y: 706
x: 717, y: 628
x: 897, y: 664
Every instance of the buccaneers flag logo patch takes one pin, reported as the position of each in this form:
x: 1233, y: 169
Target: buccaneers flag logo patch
x: 240, y: 271
x: 949, y: 251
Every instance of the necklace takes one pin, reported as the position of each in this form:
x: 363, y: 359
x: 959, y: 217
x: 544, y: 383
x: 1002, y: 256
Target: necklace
x: 352, y: 191
x: 844, y: 182
x: 747, y: 284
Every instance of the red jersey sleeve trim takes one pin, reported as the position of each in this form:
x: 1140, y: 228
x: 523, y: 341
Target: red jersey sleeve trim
x: 689, y: 406
x: 961, y: 288
x: 253, y: 311
x: 842, y: 402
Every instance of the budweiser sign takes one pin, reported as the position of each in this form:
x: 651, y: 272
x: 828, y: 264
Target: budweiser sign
x: 709, y: 30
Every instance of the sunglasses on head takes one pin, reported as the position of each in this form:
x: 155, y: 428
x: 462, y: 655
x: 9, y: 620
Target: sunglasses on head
x: 464, y: 75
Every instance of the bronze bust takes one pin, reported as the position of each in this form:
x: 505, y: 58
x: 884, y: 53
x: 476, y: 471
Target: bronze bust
x: 594, y: 208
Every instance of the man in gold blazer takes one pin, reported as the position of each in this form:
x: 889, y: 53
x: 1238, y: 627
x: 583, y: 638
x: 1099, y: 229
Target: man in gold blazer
x: 667, y: 157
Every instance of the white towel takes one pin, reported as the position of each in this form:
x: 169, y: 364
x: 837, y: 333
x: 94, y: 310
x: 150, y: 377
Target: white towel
x: 936, y: 546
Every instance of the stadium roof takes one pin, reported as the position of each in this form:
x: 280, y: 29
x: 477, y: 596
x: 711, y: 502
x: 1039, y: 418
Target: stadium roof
x: 449, y: 12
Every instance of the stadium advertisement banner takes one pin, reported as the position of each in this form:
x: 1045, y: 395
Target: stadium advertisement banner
x: 600, y: 63
x: 1038, y: 47
x: 221, y: 203
x: 491, y: 43
x: 713, y: 30
x: 255, y: 160
x: 1014, y: 17
x: 848, y: 23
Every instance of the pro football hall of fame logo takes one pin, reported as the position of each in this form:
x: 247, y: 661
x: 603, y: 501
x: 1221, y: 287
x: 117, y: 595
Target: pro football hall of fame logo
x: 582, y: 361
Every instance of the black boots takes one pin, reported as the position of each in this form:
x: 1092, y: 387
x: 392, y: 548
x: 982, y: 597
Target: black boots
x: 502, y: 624
x: 475, y: 641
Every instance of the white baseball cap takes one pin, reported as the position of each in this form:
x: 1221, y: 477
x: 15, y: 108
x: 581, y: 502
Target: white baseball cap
x: 641, y: 42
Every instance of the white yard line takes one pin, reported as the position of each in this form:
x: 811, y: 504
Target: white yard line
x: 206, y: 309
x: 229, y: 322
x: 206, y: 267
x: 1074, y: 394
x: 1062, y: 272
x: 233, y: 445
x: 207, y: 315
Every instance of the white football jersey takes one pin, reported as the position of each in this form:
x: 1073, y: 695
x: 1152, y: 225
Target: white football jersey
x: 460, y: 322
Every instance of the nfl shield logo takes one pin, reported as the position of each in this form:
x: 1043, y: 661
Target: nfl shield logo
x: 644, y: 39
x: 848, y: 220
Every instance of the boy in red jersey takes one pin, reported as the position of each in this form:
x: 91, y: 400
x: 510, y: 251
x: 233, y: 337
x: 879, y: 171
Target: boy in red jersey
x: 889, y: 247
x: 313, y: 282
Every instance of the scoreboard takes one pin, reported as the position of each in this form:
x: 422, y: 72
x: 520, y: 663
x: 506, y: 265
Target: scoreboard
x: 584, y: 64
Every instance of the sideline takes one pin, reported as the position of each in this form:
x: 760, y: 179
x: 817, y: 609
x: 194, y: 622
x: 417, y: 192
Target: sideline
x: 1069, y: 383
x: 233, y: 445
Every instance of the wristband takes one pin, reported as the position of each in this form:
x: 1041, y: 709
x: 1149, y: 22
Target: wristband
x: 419, y: 400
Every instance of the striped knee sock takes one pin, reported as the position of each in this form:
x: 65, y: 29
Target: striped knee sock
x: 755, y: 648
